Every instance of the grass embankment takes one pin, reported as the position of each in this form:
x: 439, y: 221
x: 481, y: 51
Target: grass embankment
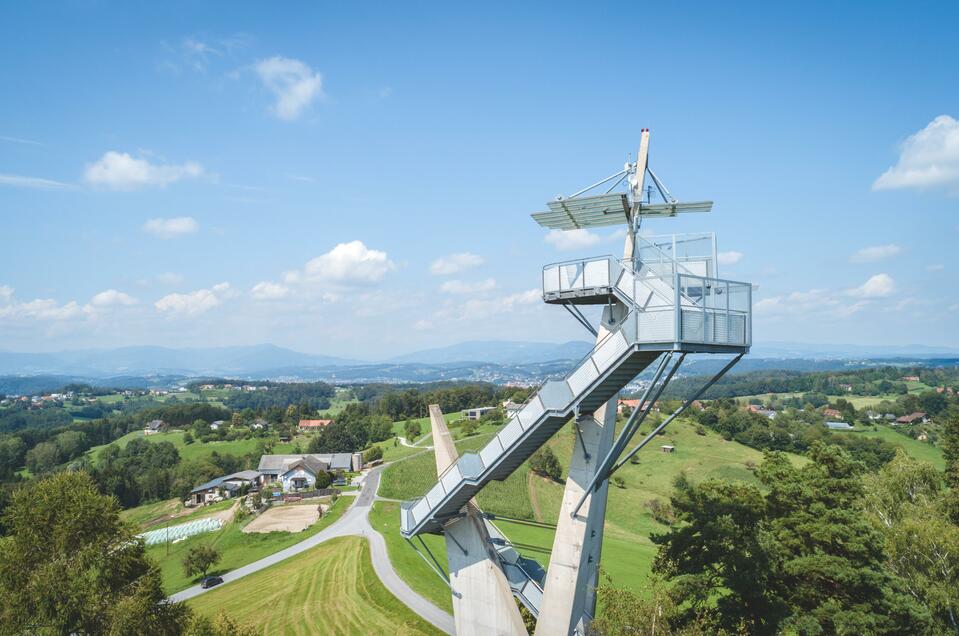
x: 147, y: 516
x: 331, y: 589
x: 627, y: 548
x: 236, y: 548
x: 923, y: 451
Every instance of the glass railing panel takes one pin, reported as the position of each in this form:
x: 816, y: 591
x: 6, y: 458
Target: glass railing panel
x: 571, y: 277
x: 551, y: 279
x: 470, y: 465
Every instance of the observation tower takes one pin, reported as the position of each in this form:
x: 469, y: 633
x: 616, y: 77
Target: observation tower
x: 661, y: 302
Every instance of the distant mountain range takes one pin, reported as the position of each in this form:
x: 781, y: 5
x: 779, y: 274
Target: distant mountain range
x: 493, y: 358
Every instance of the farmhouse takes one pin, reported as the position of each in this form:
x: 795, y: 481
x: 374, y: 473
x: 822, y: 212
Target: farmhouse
x: 633, y: 405
x: 830, y: 413
x: 223, y: 487
x: 260, y: 424
x: 297, y: 472
x: 154, y: 427
x: 313, y: 425
x: 913, y: 418
x: 217, y: 425
x: 477, y: 413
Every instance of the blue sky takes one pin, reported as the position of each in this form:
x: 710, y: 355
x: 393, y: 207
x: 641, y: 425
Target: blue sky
x: 357, y: 180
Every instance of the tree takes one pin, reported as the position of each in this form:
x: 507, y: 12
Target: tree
x: 412, y: 430
x: 323, y: 480
x: 373, y: 454
x: 801, y: 558
x: 70, y: 565
x: 545, y: 463
x: 469, y: 427
x: 199, y: 559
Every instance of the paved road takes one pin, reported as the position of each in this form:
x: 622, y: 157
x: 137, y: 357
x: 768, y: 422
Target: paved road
x: 354, y: 522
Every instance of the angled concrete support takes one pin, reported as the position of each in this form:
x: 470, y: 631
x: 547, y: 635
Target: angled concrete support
x: 482, y: 599
x: 569, y: 595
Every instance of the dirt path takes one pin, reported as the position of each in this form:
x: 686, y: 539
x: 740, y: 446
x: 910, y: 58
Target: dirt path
x: 534, y: 502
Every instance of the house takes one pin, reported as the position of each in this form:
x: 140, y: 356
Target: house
x: 872, y: 415
x: 633, y: 405
x: 839, y: 426
x: 913, y: 418
x: 910, y: 378
x: 478, y: 412
x: 767, y: 413
x: 259, y: 424
x: 698, y: 405
x: 223, y: 487
x: 666, y: 448
x: 296, y: 472
x: 217, y: 425
x: 313, y: 425
x: 511, y: 408
x: 830, y: 413
x: 154, y: 427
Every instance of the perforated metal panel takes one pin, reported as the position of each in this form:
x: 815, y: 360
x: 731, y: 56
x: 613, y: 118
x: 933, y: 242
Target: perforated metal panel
x: 610, y: 351
x: 451, y: 478
x: 491, y: 451
x: 656, y: 326
x: 582, y: 377
x: 435, y: 495
x: 531, y: 413
x: 510, y: 434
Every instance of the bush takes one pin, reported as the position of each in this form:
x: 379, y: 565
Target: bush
x: 412, y: 430
x: 323, y: 480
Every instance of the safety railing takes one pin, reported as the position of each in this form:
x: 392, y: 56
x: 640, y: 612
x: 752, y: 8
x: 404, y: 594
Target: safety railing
x: 580, y: 275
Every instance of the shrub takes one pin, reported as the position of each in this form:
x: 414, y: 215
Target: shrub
x: 545, y: 463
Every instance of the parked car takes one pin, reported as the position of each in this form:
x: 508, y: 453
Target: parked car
x: 210, y: 581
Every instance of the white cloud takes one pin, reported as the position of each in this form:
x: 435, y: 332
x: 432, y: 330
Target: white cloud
x: 112, y: 297
x: 169, y: 278
x: 269, y: 291
x: 875, y: 253
x: 37, y: 309
x: 936, y: 267
x: 481, y: 308
x: 460, y: 287
x: 195, y: 302
x: 120, y: 171
x: 455, y: 263
x: 294, y: 83
x: 567, y: 240
x: 729, y: 258
x: 171, y: 227
x: 422, y: 325
x: 347, y: 263
x: 877, y: 286
x: 36, y: 183
x: 927, y: 159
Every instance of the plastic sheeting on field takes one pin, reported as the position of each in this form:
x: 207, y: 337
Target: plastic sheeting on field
x: 181, y: 531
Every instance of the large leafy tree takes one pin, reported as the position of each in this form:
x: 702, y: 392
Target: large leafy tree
x: 801, y: 557
x: 70, y: 565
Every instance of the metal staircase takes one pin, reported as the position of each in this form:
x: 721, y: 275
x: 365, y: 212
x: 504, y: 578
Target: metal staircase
x: 668, y: 311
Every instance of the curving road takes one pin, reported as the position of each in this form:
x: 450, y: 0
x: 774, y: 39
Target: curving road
x: 354, y: 522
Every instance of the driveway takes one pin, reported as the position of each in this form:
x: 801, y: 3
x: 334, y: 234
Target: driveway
x: 354, y: 522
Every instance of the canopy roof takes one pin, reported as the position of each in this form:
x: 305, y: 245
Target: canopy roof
x: 607, y: 209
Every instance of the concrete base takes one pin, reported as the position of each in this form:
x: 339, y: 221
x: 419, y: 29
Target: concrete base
x: 482, y: 600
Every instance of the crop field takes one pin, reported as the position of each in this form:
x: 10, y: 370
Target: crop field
x: 331, y: 589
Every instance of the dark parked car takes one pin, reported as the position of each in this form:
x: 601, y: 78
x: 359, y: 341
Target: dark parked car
x: 210, y: 581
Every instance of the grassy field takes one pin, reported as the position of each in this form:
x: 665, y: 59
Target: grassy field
x: 914, y: 448
x: 197, y: 449
x: 627, y: 548
x: 237, y: 548
x: 331, y: 589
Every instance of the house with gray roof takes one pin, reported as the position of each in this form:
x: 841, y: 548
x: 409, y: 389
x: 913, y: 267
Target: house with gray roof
x: 298, y: 472
x: 223, y: 487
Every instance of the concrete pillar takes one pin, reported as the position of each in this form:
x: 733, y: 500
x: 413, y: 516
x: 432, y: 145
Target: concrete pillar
x: 570, y: 589
x: 482, y: 600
